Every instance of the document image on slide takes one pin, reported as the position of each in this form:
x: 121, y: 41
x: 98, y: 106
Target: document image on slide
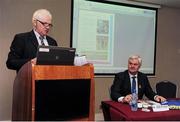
x: 98, y: 48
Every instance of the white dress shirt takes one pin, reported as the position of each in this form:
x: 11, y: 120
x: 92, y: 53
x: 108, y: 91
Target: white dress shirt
x: 39, y: 41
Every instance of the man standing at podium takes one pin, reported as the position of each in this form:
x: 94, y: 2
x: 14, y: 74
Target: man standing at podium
x: 24, y: 45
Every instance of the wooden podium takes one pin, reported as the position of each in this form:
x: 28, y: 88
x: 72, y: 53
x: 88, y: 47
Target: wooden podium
x: 26, y: 101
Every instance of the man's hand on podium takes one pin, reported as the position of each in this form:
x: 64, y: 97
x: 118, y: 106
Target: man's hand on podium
x: 33, y: 61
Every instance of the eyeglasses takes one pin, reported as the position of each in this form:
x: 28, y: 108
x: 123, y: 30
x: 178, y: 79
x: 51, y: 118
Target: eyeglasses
x: 45, y: 24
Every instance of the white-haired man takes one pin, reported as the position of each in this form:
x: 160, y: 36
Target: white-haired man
x: 24, y: 45
x: 121, y: 89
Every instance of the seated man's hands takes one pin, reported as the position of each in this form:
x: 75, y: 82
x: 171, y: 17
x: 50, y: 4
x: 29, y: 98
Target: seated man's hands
x: 160, y: 99
x: 127, y: 98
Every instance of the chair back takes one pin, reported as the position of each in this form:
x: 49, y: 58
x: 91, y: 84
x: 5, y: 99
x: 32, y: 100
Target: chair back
x: 166, y: 89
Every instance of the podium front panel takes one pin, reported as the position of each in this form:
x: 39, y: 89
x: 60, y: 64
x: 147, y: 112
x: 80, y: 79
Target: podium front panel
x: 62, y: 99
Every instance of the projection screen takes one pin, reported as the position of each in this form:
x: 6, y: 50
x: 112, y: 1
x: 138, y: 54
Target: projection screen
x: 109, y: 32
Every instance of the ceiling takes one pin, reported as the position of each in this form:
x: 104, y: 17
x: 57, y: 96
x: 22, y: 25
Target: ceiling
x: 168, y: 3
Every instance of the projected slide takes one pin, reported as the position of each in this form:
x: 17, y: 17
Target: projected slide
x: 98, y: 46
x: 108, y: 33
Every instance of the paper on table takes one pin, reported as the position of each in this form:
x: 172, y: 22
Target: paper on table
x: 148, y: 103
x: 80, y: 60
x: 158, y: 108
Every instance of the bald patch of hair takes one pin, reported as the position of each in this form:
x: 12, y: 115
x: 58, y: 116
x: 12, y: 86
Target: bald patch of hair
x: 40, y: 13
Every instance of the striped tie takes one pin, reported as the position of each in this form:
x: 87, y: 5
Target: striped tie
x: 42, y: 42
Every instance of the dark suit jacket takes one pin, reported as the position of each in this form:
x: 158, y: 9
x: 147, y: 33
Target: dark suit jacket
x: 122, y: 86
x: 23, y: 49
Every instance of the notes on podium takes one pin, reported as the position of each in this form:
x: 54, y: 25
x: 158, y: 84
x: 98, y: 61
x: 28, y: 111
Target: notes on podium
x: 80, y: 60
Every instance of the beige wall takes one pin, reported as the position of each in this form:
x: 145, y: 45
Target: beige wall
x: 15, y: 17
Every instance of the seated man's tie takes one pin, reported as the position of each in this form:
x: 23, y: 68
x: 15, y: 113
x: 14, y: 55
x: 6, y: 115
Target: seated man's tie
x: 133, y: 90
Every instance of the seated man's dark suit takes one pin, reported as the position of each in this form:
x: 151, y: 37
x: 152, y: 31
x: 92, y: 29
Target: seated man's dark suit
x: 23, y: 49
x: 122, y: 86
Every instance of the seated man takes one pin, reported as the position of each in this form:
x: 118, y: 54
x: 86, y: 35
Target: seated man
x: 121, y: 87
